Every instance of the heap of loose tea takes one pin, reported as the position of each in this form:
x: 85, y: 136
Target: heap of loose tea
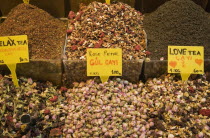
x: 177, y: 22
x: 45, y: 33
x: 99, y: 25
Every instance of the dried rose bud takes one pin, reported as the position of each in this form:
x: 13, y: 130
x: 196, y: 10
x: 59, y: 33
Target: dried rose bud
x: 74, y: 47
x: 137, y: 47
x: 71, y: 15
x: 54, y: 99
x: 46, y: 111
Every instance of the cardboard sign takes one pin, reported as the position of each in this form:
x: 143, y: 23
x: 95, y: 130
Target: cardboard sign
x: 186, y: 60
x: 108, y: 1
x: 13, y: 50
x: 26, y: 1
x: 104, y: 62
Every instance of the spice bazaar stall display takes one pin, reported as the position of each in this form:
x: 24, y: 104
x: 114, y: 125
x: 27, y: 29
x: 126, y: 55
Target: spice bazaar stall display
x: 46, y: 37
x: 99, y: 25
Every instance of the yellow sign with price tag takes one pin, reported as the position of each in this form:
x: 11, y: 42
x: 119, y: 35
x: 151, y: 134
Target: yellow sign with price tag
x: 26, y: 1
x: 13, y: 50
x: 186, y: 60
x: 108, y: 1
x: 104, y: 62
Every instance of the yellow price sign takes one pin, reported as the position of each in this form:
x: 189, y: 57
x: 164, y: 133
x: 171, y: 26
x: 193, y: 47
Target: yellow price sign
x: 104, y: 62
x: 108, y: 1
x: 186, y: 60
x: 26, y: 1
x: 13, y: 50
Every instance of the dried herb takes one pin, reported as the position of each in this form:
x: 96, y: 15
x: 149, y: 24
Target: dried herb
x: 46, y: 34
x: 177, y: 22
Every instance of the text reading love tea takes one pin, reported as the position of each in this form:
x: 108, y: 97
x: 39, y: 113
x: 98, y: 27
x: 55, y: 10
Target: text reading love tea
x: 186, y: 59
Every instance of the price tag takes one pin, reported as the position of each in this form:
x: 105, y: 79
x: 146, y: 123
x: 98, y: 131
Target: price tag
x: 186, y: 60
x: 13, y: 50
x: 108, y: 1
x: 104, y: 62
x: 26, y: 1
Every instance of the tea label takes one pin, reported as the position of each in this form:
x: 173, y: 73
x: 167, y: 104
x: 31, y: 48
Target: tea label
x: 104, y: 62
x: 186, y: 60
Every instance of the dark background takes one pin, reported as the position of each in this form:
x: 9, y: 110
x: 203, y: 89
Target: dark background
x: 61, y: 8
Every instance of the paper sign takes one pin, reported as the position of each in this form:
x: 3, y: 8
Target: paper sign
x: 186, y: 60
x: 108, y: 1
x: 104, y: 62
x: 26, y: 1
x: 13, y: 50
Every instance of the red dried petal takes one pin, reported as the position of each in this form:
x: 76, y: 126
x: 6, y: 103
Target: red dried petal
x: 123, y: 7
x: 148, y: 53
x: 74, y: 47
x: 54, y: 99
x: 137, y: 47
x: 69, y: 31
x: 81, y: 42
x: 63, y: 89
x: 46, y: 111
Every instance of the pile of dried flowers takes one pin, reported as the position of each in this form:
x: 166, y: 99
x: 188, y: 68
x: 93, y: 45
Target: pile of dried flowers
x: 99, y: 25
x: 38, y: 100
x: 161, y: 107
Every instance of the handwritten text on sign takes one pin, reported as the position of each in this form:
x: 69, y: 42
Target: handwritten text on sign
x: 104, y: 62
x: 14, y: 49
x: 186, y: 59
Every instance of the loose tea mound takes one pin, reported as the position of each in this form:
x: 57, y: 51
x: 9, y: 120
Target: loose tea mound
x: 99, y: 25
x: 46, y: 34
x: 177, y: 22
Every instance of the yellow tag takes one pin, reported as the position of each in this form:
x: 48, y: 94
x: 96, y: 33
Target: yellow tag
x: 186, y: 60
x: 26, y: 1
x: 104, y: 62
x: 13, y: 50
x: 108, y: 1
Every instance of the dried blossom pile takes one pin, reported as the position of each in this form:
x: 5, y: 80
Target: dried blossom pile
x: 46, y: 34
x: 99, y: 25
x: 162, y: 107
x: 40, y: 100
